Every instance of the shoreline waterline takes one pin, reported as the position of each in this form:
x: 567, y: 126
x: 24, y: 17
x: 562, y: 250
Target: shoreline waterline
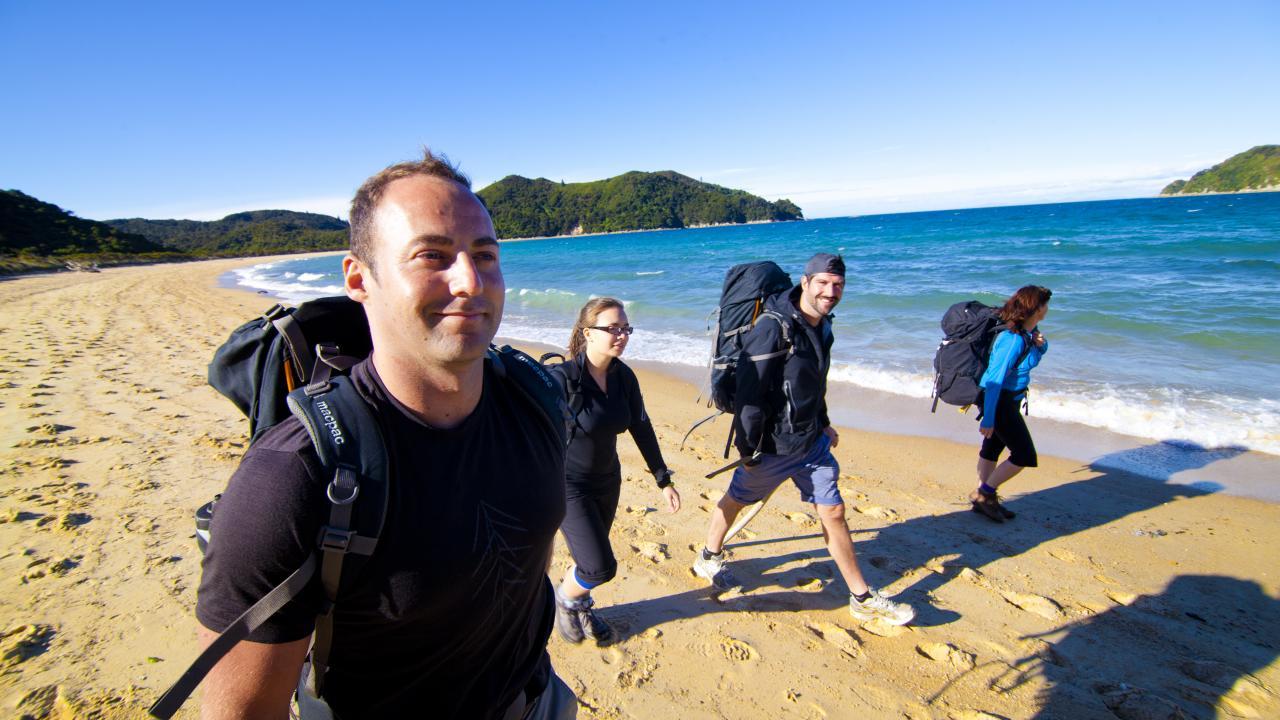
x: 1232, y: 469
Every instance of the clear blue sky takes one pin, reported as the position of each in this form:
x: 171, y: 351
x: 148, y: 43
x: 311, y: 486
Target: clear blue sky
x: 177, y: 110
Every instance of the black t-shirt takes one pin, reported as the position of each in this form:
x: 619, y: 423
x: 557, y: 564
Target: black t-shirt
x: 451, y: 615
x: 593, y: 451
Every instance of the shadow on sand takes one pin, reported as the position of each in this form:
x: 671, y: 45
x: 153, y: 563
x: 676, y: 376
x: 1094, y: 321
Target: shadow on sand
x: 1189, y: 651
x: 965, y: 538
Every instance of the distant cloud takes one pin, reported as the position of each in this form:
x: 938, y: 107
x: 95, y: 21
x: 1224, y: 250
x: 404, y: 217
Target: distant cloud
x: 945, y: 191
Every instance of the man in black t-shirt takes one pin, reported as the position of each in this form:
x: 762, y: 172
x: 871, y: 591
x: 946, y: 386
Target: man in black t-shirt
x: 450, y: 616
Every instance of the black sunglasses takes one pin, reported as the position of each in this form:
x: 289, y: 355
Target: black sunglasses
x: 614, y: 330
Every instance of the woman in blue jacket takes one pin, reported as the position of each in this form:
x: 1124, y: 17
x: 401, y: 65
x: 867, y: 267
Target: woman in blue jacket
x: 1016, y: 350
x: 606, y: 401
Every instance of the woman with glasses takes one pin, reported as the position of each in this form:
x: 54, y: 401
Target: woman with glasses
x: 604, y: 397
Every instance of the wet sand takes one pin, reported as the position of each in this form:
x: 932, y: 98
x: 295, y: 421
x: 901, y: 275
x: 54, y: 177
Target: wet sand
x: 1110, y: 595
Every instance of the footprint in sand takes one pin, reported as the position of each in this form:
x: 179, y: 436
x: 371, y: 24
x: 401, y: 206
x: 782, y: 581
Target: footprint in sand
x: 49, y: 429
x: 810, y: 584
x: 881, y: 628
x: 946, y: 653
x: 1121, y: 597
x: 800, y: 518
x: 1037, y: 604
x: 652, y: 551
x: 639, y: 510
x: 940, y: 565
x: 876, y: 511
x: 68, y: 522
x: 1132, y: 703
x: 735, y: 649
x: 1239, y: 692
x: 1066, y: 556
x: 837, y: 636
x: 890, y: 564
x: 23, y: 642
x: 976, y: 578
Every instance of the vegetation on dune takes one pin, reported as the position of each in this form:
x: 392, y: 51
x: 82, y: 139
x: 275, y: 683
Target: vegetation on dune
x: 260, y: 232
x: 1254, y: 169
x: 36, y: 235
x: 632, y: 201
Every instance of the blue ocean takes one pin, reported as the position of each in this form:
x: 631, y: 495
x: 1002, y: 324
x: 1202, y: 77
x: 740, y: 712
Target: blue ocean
x: 1164, y: 325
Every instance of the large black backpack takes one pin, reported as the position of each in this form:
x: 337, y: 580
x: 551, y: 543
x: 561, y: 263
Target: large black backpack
x: 290, y: 362
x: 747, y: 289
x: 969, y: 329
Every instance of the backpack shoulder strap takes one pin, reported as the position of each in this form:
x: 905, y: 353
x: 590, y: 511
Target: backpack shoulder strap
x: 537, y: 385
x: 785, y: 325
x: 349, y: 443
x: 1027, y: 344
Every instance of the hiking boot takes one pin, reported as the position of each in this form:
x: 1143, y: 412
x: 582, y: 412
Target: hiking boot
x: 988, y: 506
x: 568, y: 620
x: 593, y: 626
x: 879, y: 607
x: 714, y: 569
x: 1004, y: 511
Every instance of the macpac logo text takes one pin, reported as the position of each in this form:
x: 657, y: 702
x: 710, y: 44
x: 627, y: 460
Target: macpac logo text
x: 331, y: 422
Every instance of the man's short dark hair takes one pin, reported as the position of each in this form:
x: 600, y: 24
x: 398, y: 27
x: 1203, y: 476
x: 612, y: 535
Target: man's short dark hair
x: 365, y: 204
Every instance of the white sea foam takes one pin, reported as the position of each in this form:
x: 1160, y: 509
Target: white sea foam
x: 1159, y: 414
x: 650, y: 272
x: 645, y: 345
x: 287, y: 286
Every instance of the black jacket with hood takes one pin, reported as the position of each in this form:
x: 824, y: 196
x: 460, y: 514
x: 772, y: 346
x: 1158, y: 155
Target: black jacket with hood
x: 782, y: 390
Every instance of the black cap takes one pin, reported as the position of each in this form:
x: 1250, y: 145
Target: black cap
x: 825, y: 263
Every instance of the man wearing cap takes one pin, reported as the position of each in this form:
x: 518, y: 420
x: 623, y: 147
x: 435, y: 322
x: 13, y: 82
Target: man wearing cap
x: 782, y: 431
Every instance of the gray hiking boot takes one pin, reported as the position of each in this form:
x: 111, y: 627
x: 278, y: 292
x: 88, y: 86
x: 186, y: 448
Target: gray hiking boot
x: 715, y: 570
x: 568, y: 620
x: 879, y: 607
x: 594, y: 626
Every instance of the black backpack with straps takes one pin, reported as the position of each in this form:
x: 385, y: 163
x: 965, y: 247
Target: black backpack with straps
x: 970, y: 329
x: 290, y: 362
x: 747, y: 288
x: 743, y: 298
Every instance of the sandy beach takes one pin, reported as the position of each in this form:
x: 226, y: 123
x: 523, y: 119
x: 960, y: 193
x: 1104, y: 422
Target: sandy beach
x: 1109, y: 596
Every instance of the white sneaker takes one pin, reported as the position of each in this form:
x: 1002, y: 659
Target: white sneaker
x: 879, y: 607
x: 715, y: 570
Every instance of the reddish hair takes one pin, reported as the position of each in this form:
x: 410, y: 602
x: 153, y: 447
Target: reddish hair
x: 1024, y: 303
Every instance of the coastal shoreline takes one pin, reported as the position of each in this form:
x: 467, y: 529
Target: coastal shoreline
x: 1269, y: 188
x: 1107, y: 589
x: 1232, y: 469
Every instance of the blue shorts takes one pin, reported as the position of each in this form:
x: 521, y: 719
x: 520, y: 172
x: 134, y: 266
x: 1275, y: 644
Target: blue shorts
x: 814, y: 473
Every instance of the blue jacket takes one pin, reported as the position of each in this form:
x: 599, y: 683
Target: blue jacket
x: 1001, y: 375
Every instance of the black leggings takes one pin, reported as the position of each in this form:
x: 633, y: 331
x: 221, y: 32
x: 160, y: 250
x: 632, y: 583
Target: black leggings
x: 589, y: 512
x: 1011, y: 432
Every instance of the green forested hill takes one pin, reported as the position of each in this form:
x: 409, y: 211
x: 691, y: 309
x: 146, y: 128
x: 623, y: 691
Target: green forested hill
x: 260, y: 232
x: 1254, y: 169
x: 632, y: 201
x: 33, y: 227
x: 36, y: 235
